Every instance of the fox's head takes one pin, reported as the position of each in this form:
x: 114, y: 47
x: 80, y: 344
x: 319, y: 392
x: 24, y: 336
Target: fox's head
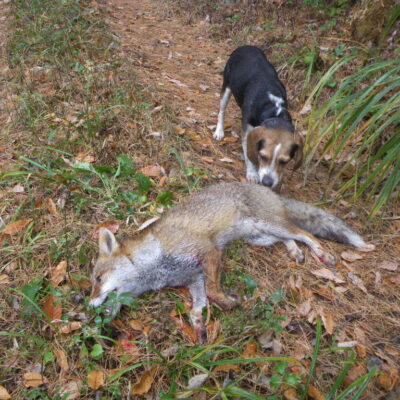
x: 114, y: 271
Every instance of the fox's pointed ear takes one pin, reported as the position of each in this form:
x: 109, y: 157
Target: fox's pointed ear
x: 107, y: 242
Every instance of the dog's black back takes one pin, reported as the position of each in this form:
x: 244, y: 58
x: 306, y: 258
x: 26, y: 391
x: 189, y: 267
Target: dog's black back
x: 252, y: 78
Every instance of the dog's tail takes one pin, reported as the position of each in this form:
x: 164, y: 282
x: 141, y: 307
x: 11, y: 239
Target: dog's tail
x: 321, y: 223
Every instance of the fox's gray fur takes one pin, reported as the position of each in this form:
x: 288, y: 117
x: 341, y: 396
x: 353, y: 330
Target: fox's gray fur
x: 184, y: 247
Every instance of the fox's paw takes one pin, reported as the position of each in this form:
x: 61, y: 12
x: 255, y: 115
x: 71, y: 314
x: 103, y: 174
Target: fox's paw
x: 219, y: 133
x: 225, y: 302
x: 297, y: 255
x: 328, y: 259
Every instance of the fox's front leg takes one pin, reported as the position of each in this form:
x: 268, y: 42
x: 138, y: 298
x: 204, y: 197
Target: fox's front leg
x: 198, y: 291
x: 212, y: 268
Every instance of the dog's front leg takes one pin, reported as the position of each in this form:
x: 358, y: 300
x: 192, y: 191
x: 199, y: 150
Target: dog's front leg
x: 198, y: 291
x: 219, y: 131
x: 251, y: 170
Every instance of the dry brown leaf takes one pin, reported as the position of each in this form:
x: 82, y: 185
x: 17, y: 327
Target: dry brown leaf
x: 361, y: 350
x: 395, y: 279
x: 328, y: 274
x: 51, y: 206
x: 72, y: 326
x: 61, y: 359
x: 143, y: 385
x: 291, y: 394
x: 136, y: 325
x: 227, y: 368
x: 196, y: 381
x: 355, y: 372
x: 32, y: 379
x: 95, y: 379
x: 276, y: 347
x: 151, y: 170
x: 351, y: 256
x: 327, y: 320
x: 111, y: 225
x: 251, y: 350
x: 4, y: 279
x: 84, y: 157
x: 58, y: 274
x: 4, y: 395
x: 230, y: 139
x: 314, y: 393
x: 207, y: 159
x: 304, y: 308
x: 188, y: 330
x: 18, y: 189
x: 16, y: 227
x: 53, y: 308
x: 388, y: 265
x: 71, y: 390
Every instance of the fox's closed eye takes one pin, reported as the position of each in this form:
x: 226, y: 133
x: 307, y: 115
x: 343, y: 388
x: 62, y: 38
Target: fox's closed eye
x: 98, y: 278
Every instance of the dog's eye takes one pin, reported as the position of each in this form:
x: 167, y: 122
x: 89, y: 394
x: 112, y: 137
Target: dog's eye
x: 264, y: 158
x: 283, y: 162
x: 98, y: 279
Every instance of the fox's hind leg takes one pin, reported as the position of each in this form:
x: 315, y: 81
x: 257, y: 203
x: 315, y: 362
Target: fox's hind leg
x: 294, y: 251
x: 198, y: 291
x: 212, y: 267
x: 289, y: 232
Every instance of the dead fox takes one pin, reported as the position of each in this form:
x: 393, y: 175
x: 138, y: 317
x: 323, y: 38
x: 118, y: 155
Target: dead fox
x: 184, y: 247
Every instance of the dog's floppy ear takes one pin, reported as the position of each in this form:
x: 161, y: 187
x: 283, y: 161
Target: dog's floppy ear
x: 254, y: 144
x: 296, y: 152
x: 107, y: 243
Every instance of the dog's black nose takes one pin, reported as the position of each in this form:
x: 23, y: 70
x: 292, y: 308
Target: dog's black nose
x: 267, y: 181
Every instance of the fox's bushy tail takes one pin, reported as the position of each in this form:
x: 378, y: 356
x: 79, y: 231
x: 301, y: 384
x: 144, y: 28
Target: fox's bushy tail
x: 321, y: 223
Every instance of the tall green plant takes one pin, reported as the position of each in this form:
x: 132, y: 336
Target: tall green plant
x: 362, y: 116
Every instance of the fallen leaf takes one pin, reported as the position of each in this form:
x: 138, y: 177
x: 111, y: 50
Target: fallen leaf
x: 147, y: 223
x: 151, y: 170
x: 4, y: 279
x: 291, y: 394
x: 84, y: 157
x: 177, y: 83
x: 367, y: 248
x: 306, y: 109
x: 251, y: 350
x: 266, y: 339
x: 314, y: 393
x: 304, y: 308
x: 276, y: 347
x: 111, y: 225
x: 95, y: 379
x: 361, y: 350
x: 51, y: 206
x: 230, y: 139
x: 58, y: 274
x: 72, y: 326
x: 327, y: 274
x: 61, y: 359
x: 143, y: 385
x: 388, y: 265
x: 136, y: 325
x: 357, y: 281
x: 348, y: 345
x: 16, y: 227
x: 4, y: 395
x: 227, y: 368
x: 207, y: 159
x: 327, y: 321
x: 71, y: 390
x: 351, y: 256
x: 226, y: 159
x: 53, y: 308
x: 18, y: 189
x: 395, y: 279
x: 32, y: 379
x: 188, y: 330
x: 196, y: 381
x: 355, y: 372
x: 125, y: 345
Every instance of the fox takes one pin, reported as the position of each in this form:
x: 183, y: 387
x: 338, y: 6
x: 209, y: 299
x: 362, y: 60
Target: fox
x: 184, y: 246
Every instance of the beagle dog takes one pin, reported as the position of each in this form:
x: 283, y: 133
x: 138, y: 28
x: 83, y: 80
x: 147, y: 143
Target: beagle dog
x: 269, y: 139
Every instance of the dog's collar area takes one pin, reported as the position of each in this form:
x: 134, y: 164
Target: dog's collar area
x: 277, y: 122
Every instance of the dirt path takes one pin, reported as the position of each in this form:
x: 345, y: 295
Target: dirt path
x: 184, y: 66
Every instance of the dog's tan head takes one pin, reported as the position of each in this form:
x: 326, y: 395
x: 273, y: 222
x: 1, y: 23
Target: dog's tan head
x: 271, y: 150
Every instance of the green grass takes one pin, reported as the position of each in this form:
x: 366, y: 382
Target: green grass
x: 361, y: 117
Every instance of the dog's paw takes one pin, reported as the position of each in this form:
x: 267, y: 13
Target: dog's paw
x: 252, y: 176
x: 219, y: 134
